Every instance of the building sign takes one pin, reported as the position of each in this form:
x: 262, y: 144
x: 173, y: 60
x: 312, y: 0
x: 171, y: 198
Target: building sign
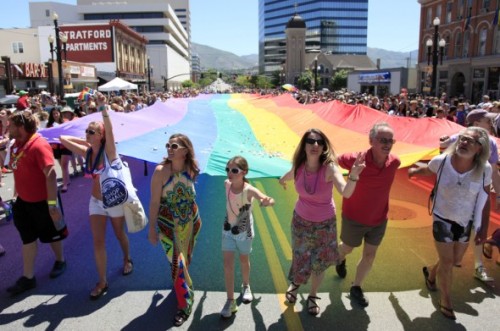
x: 34, y: 70
x: 375, y: 78
x: 89, y: 43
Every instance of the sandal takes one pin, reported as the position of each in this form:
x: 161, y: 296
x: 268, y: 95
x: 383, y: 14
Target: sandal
x: 291, y: 294
x: 312, y: 306
x: 180, y: 317
x: 128, y: 271
x: 487, y: 250
x: 447, y: 312
x: 431, y: 286
x: 98, y: 291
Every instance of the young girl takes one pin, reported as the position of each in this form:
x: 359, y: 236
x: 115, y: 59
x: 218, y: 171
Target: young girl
x: 238, y: 233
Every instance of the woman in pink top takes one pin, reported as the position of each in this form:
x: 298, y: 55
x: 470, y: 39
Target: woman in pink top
x: 314, y: 228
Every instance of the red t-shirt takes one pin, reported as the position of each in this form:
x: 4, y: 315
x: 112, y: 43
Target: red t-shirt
x: 29, y: 179
x: 369, y: 203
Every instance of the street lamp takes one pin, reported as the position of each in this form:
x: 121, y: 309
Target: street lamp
x: 149, y: 76
x: 315, y: 73
x: 436, y: 51
x: 61, y: 40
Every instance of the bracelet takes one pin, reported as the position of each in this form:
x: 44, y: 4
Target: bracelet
x: 101, y: 108
x: 105, y: 115
x: 52, y: 202
x: 352, y: 179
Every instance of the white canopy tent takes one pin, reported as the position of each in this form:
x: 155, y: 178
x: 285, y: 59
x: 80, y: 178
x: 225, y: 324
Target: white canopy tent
x: 117, y: 84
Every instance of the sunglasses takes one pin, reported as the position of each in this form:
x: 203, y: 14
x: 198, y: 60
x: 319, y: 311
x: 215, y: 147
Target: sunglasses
x: 386, y: 141
x: 312, y: 141
x: 174, y: 146
x: 234, y: 170
x: 468, y: 140
x: 90, y: 132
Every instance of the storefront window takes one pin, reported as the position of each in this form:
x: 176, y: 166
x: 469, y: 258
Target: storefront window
x: 493, y: 77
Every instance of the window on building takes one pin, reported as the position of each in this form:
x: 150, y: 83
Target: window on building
x: 47, y: 13
x: 486, y: 4
x: 458, y: 45
x: 446, y: 47
x: 460, y: 9
x: 17, y: 47
x: 466, y: 43
x: 497, y: 40
x: 429, y: 17
x: 438, y: 11
x: 449, y: 8
x: 482, y: 42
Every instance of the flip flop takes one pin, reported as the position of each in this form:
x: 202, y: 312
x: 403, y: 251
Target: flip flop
x: 447, y: 312
x: 125, y: 272
x: 180, y: 317
x: 487, y: 250
x: 98, y: 291
x: 431, y: 286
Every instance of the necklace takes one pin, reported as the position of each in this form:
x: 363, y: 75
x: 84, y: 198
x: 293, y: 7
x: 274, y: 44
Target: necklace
x: 17, y: 153
x: 229, y: 201
x: 461, y: 178
x: 306, y: 186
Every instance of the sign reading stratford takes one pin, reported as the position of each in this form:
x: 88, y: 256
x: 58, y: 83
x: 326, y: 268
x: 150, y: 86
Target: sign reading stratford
x: 89, y: 43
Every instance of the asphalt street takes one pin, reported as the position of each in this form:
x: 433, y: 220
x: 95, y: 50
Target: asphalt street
x: 144, y: 300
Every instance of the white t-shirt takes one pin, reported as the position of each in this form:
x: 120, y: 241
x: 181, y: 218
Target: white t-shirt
x: 458, y: 197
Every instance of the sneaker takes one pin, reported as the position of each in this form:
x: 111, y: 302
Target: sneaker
x: 358, y: 296
x: 482, y: 275
x: 23, y: 284
x: 6, y: 171
x: 229, y: 308
x: 58, y: 269
x: 341, y: 269
x: 246, y: 293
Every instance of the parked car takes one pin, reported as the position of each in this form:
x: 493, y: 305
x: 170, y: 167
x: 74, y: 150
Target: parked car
x: 9, y: 101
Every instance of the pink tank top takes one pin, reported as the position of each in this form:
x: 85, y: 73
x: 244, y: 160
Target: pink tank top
x: 315, y: 202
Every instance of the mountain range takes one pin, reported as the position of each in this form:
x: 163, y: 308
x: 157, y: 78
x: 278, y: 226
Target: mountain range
x: 213, y: 58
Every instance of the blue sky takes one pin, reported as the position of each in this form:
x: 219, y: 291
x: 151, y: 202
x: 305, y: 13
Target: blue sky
x: 232, y: 25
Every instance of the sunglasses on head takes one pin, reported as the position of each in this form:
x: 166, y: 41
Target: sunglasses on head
x: 234, y: 170
x: 312, y: 141
x: 173, y: 146
x: 90, y: 132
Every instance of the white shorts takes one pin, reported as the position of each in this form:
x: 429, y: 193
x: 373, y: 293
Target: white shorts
x: 97, y: 208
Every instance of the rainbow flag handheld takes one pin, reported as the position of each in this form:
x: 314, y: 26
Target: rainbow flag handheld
x: 86, y: 94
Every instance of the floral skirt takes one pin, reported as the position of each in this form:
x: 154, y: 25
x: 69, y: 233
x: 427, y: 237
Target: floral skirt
x: 314, y: 246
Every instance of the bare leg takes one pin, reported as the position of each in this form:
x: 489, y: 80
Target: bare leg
x: 65, y: 170
x: 229, y: 273
x: 365, y: 264
x: 245, y: 268
x: 98, y: 228
x: 118, y: 224
x: 57, y: 248
x: 29, y: 254
x: 344, y: 250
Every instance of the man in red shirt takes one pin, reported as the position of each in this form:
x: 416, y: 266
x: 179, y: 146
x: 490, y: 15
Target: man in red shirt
x: 364, y: 214
x: 23, y: 102
x: 36, y: 212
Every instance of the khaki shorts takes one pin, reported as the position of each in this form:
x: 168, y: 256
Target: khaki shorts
x: 353, y: 233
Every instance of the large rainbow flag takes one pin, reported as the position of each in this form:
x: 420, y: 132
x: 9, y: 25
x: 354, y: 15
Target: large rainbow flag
x: 264, y: 129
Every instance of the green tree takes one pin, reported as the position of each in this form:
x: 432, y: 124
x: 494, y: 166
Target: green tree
x: 242, y: 80
x: 187, y: 83
x: 263, y: 82
x: 339, y: 80
x: 275, y: 78
x: 304, y: 81
x: 205, y: 81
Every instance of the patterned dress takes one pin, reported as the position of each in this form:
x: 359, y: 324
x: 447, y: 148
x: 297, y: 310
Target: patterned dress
x: 179, y: 224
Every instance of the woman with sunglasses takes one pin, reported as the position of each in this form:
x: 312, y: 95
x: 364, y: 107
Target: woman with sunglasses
x: 174, y: 217
x: 314, y: 228
x: 238, y: 233
x: 461, y: 193
x: 99, y: 150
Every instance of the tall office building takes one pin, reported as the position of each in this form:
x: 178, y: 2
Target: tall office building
x: 334, y: 27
